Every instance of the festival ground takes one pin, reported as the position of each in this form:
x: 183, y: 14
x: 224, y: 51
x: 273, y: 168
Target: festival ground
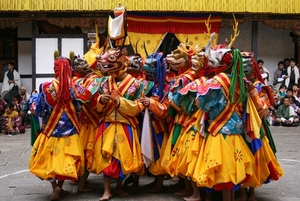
x: 16, y: 183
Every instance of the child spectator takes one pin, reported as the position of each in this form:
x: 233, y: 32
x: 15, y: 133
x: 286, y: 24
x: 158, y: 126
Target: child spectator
x: 282, y: 91
x: 12, y: 121
x: 21, y: 106
x: 286, y: 115
x: 296, y: 92
x: 271, y: 117
x: 295, y: 104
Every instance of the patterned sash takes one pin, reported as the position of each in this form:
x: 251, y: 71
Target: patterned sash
x: 57, y: 111
x: 219, y: 122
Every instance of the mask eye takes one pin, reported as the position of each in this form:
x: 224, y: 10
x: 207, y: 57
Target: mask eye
x: 112, y: 57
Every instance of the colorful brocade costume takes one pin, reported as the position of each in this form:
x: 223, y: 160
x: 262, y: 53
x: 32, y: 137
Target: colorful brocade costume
x: 117, y: 149
x: 57, y: 152
x: 157, y: 112
x: 182, y: 120
x: 224, y: 160
x: 88, y: 118
x: 259, y: 137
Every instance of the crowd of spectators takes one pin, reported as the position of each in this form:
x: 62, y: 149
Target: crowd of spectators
x: 15, y: 114
x: 285, y: 88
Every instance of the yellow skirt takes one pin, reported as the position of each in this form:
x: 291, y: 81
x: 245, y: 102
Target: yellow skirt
x: 156, y: 168
x: 266, y: 166
x: 60, y: 158
x: 187, y: 146
x: 169, y: 159
x: 87, y: 138
x: 223, y: 162
x: 130, y: 158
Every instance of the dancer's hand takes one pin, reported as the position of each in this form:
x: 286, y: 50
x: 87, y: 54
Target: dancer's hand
x: 104, y: 98
x: 115, y: 97
x: 145, y: 101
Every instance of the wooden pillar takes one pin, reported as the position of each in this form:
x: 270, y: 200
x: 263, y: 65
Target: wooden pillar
x: 296, y: 40
x: 33, y: 30
x: 255, y: 38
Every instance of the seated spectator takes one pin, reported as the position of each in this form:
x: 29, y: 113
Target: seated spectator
x: 2, y: 111
x: 18, y: 102
x: 295, y: 104
x: 296, y: 91
x: 286, y: 115
x: 24, y: 95
x: 271, y: 117
x: 12, y: 121
x: 21, y: 106
x: 289, y: 93
x: 282, y: 91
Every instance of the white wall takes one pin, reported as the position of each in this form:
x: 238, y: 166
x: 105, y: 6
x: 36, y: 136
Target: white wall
x: 273, y: 45
x: 44, y: 52
x: 243, y: 41
x: 72, y: 44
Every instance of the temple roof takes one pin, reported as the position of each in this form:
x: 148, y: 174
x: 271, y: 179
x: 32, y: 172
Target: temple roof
x: 224, y: 6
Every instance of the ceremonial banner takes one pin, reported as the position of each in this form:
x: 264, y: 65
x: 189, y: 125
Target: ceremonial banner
x: 151, y: 28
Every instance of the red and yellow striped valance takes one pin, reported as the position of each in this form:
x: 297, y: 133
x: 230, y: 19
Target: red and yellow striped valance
x: 171, y: 22
x: 226, y: 6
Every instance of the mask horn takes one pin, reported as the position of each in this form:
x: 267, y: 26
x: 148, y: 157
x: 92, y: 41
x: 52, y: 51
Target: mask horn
x: 136, y: 46
x: 145, y: 49
x: 171, y: 44
x: 56, y: 54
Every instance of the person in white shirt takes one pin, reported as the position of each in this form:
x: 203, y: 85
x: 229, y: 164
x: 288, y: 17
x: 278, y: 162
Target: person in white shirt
x: 264, y: 72
x: 11, y: 83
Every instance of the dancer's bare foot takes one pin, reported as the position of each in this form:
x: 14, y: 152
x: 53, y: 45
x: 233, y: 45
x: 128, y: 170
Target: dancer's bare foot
x: 55, y: 194
x: 121, y: 192
x: 105, y: 196
x: 184, y: 192
x: 175, y: 179
x: 252, y: 198
x: 85, y: 190
x: 63, y: 193
x: 192, y: 198
x: 155, y: 189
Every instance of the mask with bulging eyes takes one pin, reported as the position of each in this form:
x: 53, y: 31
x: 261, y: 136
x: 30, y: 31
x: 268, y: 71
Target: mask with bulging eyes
x: 248, y: 64
x: 135, y: 63
x: 113, y: 61
x: 199, y: 61
x: 81, y: 66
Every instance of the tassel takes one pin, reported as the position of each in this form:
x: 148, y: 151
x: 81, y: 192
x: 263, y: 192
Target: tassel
x: 237, y: 73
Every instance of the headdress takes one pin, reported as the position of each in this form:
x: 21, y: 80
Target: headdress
x: 158, y: 71
x: 62, y: 68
